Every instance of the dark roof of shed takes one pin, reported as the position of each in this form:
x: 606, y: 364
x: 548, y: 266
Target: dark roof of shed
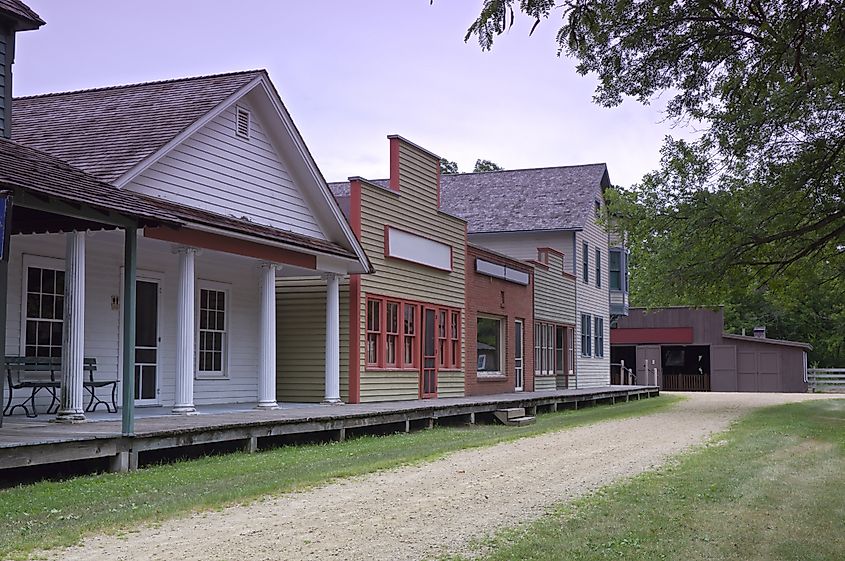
x: 752, y: 339
x: 559, y: 198
x: 24, y: 16
x: 107, y: 131
x: 38, y: 172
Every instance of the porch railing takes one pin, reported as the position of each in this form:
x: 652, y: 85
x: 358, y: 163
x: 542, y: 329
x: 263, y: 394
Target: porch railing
x: 826, y: 379
x: 621, y: 375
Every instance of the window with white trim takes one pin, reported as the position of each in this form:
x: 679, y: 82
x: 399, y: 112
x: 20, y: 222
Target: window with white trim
x: 598, y: 268
x: 586, y: 335
x: 489, y: 345
x: 43, y: 310
x: 212, y: 327
x: 599, y: 337
x: 586, y: 262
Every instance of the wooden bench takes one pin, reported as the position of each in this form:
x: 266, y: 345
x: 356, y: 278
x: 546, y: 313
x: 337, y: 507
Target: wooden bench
x: 44, y: 373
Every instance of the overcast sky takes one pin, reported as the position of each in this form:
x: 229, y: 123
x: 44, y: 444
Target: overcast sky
x: 352, y: 72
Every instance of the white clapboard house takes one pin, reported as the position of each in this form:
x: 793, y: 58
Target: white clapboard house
x: 233, y: 200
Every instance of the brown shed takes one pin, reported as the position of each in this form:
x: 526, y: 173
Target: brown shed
x: 686, y: 349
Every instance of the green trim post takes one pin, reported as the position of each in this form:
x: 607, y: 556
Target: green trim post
x: 130, y: 250
x: 5, y: 239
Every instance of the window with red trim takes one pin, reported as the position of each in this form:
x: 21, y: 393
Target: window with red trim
x: 391, y: 341
x: 455, y: 339
x: 374, y: 352
x: 442, y: 339
x: 409, y: 335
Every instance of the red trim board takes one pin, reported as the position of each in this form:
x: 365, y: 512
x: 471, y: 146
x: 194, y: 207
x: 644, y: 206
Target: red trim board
x: 651, y: 335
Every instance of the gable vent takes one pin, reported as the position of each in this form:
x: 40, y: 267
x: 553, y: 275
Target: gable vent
x: 242, y: 123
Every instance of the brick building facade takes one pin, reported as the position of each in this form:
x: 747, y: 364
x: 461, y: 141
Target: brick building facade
x: 499, y: 303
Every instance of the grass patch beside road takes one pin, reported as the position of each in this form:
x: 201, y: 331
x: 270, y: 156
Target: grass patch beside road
x: 772, y: 487
x: 53, y: 514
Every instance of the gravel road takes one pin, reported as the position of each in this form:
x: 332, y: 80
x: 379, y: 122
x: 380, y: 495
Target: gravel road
x: 440, y: 507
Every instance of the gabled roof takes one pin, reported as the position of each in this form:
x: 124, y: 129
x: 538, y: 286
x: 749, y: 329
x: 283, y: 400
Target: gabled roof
x: 25, y: 19
x: 559, y: 198
x: 114, y: 133
x: 107, y: 131
x: 37, y: 172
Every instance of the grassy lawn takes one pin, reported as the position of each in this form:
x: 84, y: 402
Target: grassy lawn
x: 52, y: 514
x: 773, y: 487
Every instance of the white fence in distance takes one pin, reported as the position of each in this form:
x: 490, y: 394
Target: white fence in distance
x: 826, y: 379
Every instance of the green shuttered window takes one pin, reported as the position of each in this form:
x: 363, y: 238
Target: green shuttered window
x: 586, y: 335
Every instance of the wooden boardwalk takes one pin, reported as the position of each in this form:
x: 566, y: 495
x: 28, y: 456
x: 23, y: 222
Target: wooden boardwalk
x: 30, y: 442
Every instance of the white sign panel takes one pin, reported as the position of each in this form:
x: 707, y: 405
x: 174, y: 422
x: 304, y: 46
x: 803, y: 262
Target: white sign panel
x: 501, y: 272
x: 417, y: 249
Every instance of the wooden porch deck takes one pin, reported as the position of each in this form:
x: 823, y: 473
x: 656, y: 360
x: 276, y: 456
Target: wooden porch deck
x: 31, y: 442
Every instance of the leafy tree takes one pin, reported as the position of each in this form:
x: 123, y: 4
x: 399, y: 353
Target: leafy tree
x: 753, y: 210
x: 486, y: 165
x: 447, y: 167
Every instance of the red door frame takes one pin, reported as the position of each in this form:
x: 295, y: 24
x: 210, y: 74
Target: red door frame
x: 428, y: 360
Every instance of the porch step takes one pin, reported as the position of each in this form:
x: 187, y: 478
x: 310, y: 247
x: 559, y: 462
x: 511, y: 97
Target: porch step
x: 513, y: 416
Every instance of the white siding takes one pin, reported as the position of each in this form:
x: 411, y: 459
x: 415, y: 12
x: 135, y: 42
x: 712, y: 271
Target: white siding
x: 592, y: 371
x: 104, y: 258
x: 216, y: 170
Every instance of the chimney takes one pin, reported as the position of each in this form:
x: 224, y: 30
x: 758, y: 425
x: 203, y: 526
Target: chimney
x: 14, y: 16
x: 760, y: 331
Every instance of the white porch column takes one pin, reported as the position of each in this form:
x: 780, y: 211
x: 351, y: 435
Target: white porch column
x: 185, y: 333
x: 73, y: 334
x: 267, y: 337
x: 332, y: 339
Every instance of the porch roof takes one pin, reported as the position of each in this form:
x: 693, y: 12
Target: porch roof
x: 41, y: 174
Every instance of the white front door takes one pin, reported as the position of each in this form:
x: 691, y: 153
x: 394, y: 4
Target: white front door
x: 518, y: 369
x: 146, y: 341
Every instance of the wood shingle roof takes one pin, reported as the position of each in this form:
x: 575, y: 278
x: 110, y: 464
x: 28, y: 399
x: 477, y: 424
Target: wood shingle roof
x: 558, y: 198
x: 107, y: 131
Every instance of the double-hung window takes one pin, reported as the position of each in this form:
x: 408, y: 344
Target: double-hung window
x: 391, y: 347
x: 455, y: 339
x: 615, y: 270
x: 374, y: 351
x: 544, y: 349
x: 409, y: 336
x: 586, y: 335
x: 211, y: 346
x: 598, y: 268
x: 44, y: 311
x: 442, y: 338
x: 585, y: 257
x: 599, y: 337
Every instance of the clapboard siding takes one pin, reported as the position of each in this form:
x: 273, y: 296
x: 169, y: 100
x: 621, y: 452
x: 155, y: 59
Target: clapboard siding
x: 413, y: 209
x: 593, y: 371
x: 450, y: 383
x: 104, y: 259
x: 301, y: 337
x: 384, y: 385
x: 545, y: 383
x: 554, y: 293
x: 215, y: 170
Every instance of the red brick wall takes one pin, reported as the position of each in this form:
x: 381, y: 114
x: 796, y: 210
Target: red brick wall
x: 506, y: 300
